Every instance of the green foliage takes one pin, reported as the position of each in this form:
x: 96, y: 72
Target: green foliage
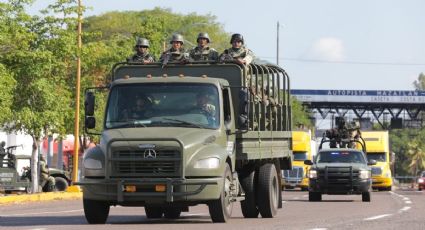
x: 7, y: 86
x: 300, y: 117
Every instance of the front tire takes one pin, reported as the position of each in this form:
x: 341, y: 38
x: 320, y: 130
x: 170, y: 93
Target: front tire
x: 172, y: 213
x: 366, y: 196
x: 268, y: 190
x: 61, y: 184
x: 249, y: 205
x: 96, y: 212
x: 153, y: 212
x: 221, y: 209
x: 314, y: 196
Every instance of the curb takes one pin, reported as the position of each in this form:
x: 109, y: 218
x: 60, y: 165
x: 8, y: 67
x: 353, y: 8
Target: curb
x: 16, y: 199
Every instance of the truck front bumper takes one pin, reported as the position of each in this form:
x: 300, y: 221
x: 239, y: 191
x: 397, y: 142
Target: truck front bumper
x: 176, y: 189
x: 381, y: 182
x: 354, y: 187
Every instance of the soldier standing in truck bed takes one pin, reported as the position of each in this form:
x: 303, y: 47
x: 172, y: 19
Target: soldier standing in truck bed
x: 203, y: 52
x: 142, y: 54
x: 176, y: 52
x: 238, y: 52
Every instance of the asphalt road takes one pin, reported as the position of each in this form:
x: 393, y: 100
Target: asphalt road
x: 400, y: 209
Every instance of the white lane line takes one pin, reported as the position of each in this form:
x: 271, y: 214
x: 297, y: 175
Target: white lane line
x: 408, y: 202
x: 318, y: 229
x: 377, y: 217
x: 405, y: 209
x: 405, y: 198
x: 41, y: 213
x: 194, y: 214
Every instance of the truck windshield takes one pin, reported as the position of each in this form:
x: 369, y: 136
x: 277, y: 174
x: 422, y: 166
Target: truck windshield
x: 163, y: 105
x: 380, y: 157
x: 340, y: 157
x: 300, y: 156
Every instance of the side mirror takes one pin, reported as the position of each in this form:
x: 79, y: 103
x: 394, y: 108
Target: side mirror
x: 89, y: 104
x: 371, y: 162
x: 90, y: 122
x: 308, y: 162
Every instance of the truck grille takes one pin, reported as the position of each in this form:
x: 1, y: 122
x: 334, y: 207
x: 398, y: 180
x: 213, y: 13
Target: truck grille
x: 338, y: 175
x: 376, y: 171
x: 296, y: 172
x: 136, y: 163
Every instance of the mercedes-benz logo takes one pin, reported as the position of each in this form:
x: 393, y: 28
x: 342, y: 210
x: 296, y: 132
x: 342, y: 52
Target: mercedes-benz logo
x: 149, y: 153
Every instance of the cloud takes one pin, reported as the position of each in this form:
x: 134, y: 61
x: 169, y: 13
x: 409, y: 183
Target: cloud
x: 329, y: 49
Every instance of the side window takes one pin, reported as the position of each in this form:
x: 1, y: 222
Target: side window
x: 226, y: 105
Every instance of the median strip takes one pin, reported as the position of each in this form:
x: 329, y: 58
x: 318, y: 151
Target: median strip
x: 13, y: 199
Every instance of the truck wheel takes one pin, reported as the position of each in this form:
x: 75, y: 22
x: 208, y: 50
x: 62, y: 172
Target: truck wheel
x: 96, y: 212
x: 153, y: 212
x: 221, y: 209
x: 61, y: 184
x: 314, y: 196
x: 389, y: 188
x: 172, y: 213
x: 366, y: 196
x: 249, y: 206
x: 268, y: 190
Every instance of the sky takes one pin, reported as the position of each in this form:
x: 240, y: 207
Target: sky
x: 323, y: 44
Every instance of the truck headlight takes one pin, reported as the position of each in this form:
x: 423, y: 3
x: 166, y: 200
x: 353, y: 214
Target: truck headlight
x: 312, y: 174
x: 364, y: 174
x: 420, y: 180
x: 90, y: 163
x: 207, y: 163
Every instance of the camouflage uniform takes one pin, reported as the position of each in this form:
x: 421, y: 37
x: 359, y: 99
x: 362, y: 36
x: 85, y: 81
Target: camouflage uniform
x: 232, y: 53
x: 174, y: 55
x: 203, y: 54
x: 47, y: 182
x: 139, y: 56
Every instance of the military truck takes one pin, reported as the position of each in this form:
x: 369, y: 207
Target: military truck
x: 340, y: 170
x: 15, y: 173
x: 176, y: 156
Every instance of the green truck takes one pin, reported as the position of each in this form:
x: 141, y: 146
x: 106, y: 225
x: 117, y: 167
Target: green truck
x: 178, y: 153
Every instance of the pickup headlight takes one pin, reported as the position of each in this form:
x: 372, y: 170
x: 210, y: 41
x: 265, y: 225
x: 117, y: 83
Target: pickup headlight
x: 207, y: 163
x: 420, y: 180
x: 312, y: 174
x: 364, y: 174
x: 90, y: 163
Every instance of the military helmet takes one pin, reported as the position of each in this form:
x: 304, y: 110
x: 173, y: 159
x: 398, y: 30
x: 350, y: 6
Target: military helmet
x: 177, y: 38
x: 238, y: 37
x: 142, y: 42
x: 203, y: 35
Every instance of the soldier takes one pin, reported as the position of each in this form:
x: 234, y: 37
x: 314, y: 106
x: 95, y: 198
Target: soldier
x: 176, y: 52
x: 142, y: 54
x: 47, y: 182
x: 203, y: 52
x: 238, y: 52
x: 2, y: 152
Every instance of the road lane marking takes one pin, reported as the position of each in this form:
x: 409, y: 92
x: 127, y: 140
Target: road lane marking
x: 318, y: 229
x: 408, y: 202
x: 305, y: 195
x: 41, y: 213
x: 405, y: 209
x: 194, y: 214
x: 377, y: 217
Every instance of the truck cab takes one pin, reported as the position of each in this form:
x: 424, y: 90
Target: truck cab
x: 303, y: 150
x: 378, y: 149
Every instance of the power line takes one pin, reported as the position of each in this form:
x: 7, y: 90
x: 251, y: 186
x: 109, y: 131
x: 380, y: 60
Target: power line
x: 348, y: 62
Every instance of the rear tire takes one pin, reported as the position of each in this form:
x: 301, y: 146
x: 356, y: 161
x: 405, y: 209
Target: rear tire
x: 61, y: 184
x: 172, y: 213
x: 221, y: 209
x: 249, y: 206
x: 268, y: 190
x: 314, y: 196
x: 153, y: 212
x: 96, y: 211
x: 366, y: 196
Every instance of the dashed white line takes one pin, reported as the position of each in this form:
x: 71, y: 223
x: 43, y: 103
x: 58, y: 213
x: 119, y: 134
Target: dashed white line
x: 195, y: 214
x: 408, y: 202
x: 377, y: 217
x: 405, y: 209
x: 318, y: 229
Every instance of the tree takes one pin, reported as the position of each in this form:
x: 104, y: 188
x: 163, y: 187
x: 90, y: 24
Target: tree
x: 417, y: 156
x: 300, y: 117
x: 419, y: 84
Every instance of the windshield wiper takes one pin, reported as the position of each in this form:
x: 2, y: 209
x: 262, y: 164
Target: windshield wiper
x: 184, y: 122
x: 126, y: 124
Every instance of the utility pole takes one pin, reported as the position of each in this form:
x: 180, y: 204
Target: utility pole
x: 77, y: 101
x: 277, y: 44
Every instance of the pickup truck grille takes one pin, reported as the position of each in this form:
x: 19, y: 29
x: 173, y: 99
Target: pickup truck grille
x: 376, y: 171
x: 138, y: 163
x: 338, y: 175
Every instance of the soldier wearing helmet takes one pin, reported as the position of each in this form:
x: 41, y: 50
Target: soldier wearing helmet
x: 238, y: 52
x: 142, y: 54
x: 203, y: 52
x: 176, y: 52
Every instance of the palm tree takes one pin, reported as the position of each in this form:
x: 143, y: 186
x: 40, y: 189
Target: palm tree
x: 417, y: 156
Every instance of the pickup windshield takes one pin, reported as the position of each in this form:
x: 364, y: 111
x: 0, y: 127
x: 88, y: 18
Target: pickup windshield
x: 163, y: 105
x: 341, y: 156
